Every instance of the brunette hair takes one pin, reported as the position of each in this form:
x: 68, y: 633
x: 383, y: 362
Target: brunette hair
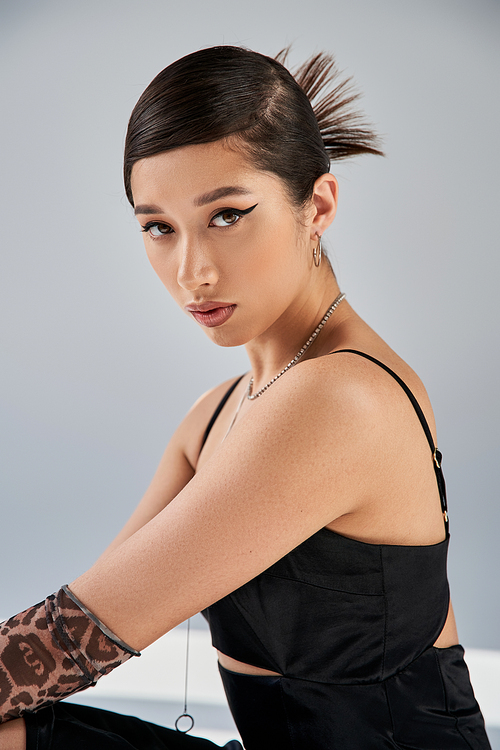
x: 291, y: 126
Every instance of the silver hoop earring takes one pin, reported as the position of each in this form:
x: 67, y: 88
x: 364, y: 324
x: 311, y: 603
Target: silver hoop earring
x: 318, y: 253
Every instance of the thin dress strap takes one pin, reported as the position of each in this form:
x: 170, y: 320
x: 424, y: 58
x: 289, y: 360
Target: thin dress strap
x: 218, y: 410
x: 436, y: 455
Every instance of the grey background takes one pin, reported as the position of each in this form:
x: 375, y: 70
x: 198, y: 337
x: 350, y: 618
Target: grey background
x: 98, y: 365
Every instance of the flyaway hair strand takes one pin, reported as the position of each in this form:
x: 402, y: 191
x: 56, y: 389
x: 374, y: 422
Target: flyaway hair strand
x: 343, y: 129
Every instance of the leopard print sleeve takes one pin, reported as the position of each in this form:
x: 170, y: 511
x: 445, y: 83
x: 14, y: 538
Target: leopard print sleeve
x: 51, y: 650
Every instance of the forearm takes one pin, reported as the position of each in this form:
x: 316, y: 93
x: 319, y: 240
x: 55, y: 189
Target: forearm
x: 13, y: 735
x: 52, y: 650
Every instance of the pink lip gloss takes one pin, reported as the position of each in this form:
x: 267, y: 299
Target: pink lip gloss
x: 214, y: 317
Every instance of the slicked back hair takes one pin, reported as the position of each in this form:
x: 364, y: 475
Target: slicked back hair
x: 292, y: 126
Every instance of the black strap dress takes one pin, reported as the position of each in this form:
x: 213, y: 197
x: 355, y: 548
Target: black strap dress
x: 350, y: 627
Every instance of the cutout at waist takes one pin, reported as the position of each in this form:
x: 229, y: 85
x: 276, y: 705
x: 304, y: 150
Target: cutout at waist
x: 446, y: 639
x: 233, y: 665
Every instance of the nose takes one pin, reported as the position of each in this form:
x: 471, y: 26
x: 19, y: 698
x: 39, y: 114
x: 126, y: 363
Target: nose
x: 195, y: 268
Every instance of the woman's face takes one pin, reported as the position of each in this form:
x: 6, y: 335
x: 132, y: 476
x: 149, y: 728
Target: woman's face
x: 224, y: 240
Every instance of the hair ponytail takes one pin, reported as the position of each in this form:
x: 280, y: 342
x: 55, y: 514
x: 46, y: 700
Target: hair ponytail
x: 343, y: 130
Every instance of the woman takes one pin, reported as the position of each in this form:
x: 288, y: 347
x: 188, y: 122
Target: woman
x: 302, y: 506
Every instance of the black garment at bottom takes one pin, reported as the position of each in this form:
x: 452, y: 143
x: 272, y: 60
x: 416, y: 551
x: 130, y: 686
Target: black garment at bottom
x: 68, y: 726
x: 427, y: 706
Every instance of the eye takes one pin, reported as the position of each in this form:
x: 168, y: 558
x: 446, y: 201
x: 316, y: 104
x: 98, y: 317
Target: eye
x: 156, y: 229
x: 225, y: 218
x: 229, y: 216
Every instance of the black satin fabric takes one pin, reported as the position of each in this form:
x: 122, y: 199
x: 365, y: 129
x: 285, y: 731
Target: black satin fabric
x: 427, y: 706
x: 68, y: 726
x: 337, y: 610
x: 350, y: 628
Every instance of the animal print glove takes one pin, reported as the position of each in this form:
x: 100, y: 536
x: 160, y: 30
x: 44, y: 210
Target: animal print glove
x: 52, y: 650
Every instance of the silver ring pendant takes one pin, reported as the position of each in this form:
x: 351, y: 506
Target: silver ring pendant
x: 190, y: 721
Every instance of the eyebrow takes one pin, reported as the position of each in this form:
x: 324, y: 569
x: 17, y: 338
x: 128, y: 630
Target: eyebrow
x: 218, y: 193
x: 201, y: 200
x: 146, y: 210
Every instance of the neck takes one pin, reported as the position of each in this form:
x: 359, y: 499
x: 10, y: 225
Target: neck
x: 270, y: 352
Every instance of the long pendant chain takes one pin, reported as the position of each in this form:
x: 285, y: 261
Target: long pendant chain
x: 184, y: 714
x: 251, y: 396
x: 236, y: 413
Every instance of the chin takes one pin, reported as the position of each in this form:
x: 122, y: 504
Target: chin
x: 227, y: 338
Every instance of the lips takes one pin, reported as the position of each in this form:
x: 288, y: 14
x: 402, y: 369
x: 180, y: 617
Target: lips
x: 211, y: 314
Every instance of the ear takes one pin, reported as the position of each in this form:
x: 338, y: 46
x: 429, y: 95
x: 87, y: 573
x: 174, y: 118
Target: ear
x: 324, y: 199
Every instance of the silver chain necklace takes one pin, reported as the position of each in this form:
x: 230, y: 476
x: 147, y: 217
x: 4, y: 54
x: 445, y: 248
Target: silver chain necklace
x: 251, y: 396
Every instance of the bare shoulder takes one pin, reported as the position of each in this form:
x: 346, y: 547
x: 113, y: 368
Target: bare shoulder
x: 189, y: 434
x: 358, y: 383
x: 353, y: 402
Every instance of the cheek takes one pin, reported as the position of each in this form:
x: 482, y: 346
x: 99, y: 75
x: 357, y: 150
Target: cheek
x: 162, y: 264
x: 269, y: 253
x: 278, y: 262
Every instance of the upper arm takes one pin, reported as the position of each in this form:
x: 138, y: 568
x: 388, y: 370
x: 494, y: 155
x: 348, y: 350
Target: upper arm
x: 283, y: 473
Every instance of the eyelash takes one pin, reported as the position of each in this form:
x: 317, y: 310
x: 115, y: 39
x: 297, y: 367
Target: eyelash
x: 236, y: 212
x: 150, y: 224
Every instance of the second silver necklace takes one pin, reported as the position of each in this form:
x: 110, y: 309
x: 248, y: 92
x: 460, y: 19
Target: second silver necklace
x: 251, y: 396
